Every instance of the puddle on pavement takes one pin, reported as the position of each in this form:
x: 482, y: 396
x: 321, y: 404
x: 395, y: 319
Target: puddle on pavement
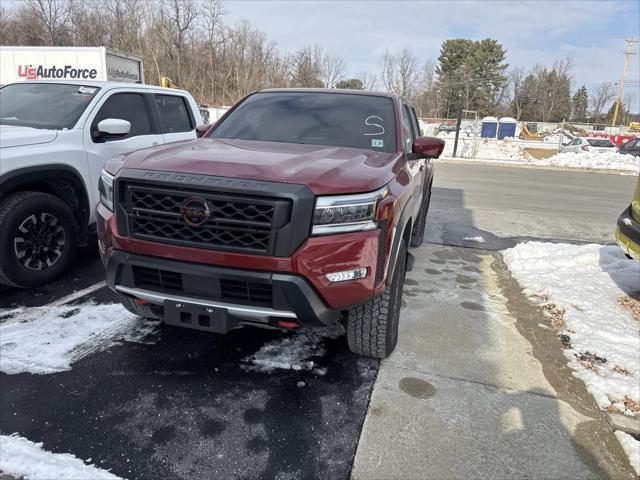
x: 417, y: 388
x: 473, y: 306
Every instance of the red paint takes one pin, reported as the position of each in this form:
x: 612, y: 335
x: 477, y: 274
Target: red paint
x: 616, y: 139
x: 316, y: 257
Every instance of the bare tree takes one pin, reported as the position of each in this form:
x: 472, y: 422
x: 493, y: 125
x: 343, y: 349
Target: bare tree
x: 369, y: 80
x: 54, y: 16
x: 399, y: 71
x: 333, y: 68
x: 599, y: 97
x: 306, y: 68
x: 516, y: 81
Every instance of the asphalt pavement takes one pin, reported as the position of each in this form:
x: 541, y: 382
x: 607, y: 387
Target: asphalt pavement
x: 468, y: 393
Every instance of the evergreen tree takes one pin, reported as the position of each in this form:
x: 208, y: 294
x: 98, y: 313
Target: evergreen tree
x: 352, y: 83
x: 471, y: 73
x: 580, y: 104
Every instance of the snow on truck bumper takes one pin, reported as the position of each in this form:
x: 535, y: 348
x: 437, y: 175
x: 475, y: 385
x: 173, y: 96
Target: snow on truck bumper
x: 253, y: 288
x: 628, y: 234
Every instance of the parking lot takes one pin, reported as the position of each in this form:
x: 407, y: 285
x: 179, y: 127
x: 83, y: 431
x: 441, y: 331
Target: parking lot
x: 474, y: 383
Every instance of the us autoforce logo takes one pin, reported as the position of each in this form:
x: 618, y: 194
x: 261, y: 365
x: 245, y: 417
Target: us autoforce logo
x: 195, y: 211
x: 30, y: 72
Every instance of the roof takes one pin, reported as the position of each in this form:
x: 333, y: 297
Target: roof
x: 333, y: 90
x: 102, y: 84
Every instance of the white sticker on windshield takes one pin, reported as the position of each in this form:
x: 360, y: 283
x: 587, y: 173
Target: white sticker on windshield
x: 87, y: 90
x: 377, y: 142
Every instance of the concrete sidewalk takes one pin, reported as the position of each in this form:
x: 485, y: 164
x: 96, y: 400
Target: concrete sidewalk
x: 476, y: 388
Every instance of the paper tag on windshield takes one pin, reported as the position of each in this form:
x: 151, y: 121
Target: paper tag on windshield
x: 87, y: 90
x: 377, y: 142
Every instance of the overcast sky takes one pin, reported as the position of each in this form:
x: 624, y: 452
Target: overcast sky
x: 591, y: 32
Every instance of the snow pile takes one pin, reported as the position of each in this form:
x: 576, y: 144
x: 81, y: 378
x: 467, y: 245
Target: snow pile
x: 48, y: 340
x: 293, y: 352
x: 23, y: 458
x: 592, y: 160
x: 484, y: 148
x: 631, y: 447
x: 585, y: 282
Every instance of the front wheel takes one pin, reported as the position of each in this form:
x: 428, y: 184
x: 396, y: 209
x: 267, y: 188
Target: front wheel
x: 38, y: 239
x: 372, y: 328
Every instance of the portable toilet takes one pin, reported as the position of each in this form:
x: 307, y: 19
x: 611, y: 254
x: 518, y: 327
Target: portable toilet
x: 489, y: 127
x: 507, y: 128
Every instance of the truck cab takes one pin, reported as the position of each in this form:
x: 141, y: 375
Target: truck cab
x: 55, y: 137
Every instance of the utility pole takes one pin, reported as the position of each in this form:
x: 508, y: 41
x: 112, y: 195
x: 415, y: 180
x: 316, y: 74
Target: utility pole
x: 627, y: 57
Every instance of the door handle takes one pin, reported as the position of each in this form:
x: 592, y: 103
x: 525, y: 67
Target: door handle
x: 422, y: 167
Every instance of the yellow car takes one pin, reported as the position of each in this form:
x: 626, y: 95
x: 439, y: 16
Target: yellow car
x: 628, y: 227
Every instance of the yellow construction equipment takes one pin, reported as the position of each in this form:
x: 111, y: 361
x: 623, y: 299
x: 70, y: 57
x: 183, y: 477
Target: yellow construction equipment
x: 166, y: 82
x: 526, y: 134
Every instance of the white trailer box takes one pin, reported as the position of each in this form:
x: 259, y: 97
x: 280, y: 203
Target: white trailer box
x: 69, y: 63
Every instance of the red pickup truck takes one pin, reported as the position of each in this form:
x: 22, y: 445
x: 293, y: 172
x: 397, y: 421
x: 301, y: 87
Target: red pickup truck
x: 295, y: 209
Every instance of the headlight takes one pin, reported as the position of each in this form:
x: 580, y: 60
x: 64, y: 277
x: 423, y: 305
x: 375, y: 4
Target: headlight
x: 105, y: 188
x: 346, y: 213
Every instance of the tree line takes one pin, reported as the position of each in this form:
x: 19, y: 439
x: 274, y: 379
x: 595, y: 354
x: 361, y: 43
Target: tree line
x: 189, y: 42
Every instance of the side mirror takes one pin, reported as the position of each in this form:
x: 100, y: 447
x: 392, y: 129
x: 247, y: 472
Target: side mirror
x: 111, y: 128
x: 202, y: 129
x: 428, y: 147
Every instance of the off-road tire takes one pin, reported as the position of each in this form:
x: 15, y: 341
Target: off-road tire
x: 151, y: 312
x: 417, y: 235
x: 372, y: 328
x: 15, y: 209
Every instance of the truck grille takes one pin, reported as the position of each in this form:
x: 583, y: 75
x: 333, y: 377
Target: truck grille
x: 234, y: 222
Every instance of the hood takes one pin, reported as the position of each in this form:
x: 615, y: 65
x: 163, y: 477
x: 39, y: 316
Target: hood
x: 325, y: 170
x: 12, y: 136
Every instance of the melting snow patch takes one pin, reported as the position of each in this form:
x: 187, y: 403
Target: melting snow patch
x: 294, y: 351
x: 585, y: 282
x: 23, y: 458
x: 474, y: 239
x: 631, y: 447
x: 48, y: 340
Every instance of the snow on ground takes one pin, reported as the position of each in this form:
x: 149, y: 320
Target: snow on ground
x: 585, y: 282
x: 592, y: 161
x: 293, y: 352
x: 25, y: 459
x: 477, y: 239
x: 48, y: 340
x: 631, y: 447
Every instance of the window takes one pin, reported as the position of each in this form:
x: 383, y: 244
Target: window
x: 38, y: 105
x: 600, y: 142
x: 408, y: 129
x: 174, y: 114
x: 416, y: 122
x: 332, y: 119
x: 125, y: 106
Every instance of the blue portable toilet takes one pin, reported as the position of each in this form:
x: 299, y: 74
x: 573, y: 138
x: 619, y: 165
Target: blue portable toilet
x: 489, y: 127
x: 507, y: 128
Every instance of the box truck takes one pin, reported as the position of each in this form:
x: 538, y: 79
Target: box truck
x: 68, y: 63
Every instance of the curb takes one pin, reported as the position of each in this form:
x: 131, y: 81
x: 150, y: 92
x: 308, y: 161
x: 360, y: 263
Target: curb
x: 507, y: 163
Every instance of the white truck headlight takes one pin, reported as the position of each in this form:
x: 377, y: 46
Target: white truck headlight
x: 105, y: 188
x: 346, y: 213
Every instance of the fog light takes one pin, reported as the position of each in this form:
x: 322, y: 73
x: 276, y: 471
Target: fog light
x: 347, y: 275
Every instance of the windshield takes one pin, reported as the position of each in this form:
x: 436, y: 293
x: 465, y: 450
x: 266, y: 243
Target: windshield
x: 38, y: 105
x: 333, y: 119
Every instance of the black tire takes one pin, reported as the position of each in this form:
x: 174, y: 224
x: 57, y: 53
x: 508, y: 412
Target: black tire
x: 372, y: 328
x: 151, y: 312
x: 417, y: 234
x: 38, y: 239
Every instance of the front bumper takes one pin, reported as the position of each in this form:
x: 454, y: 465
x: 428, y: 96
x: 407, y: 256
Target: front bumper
x: 246, y: 296
x: 628, y: 234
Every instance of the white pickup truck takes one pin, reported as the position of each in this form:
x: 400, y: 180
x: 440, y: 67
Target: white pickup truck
x: 54, y: 139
